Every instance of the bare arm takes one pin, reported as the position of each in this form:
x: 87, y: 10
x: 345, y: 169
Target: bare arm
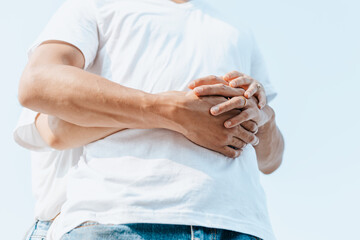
x: 270, y: 149
x: 61, y: 135
x: 55, y: 84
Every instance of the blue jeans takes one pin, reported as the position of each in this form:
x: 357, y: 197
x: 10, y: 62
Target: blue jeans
x: 149, y: 231
x: 38, y: 230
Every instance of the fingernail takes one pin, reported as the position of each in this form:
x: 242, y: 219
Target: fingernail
x: 228, y: 124
x: 191, y: 85
x: 232, y: 84
x: 215, y: 110
x: 257, y: 142
x: 198, y: 90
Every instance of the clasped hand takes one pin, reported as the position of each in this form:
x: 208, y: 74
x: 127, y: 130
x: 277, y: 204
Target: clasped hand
x: 233, y: 102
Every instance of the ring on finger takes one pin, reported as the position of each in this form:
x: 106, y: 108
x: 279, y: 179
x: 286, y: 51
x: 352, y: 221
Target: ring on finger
x: 245, y: 100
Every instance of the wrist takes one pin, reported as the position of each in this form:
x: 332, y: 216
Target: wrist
x: 164, y: 108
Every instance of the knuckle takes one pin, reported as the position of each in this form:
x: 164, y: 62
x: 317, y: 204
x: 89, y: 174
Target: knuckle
x: 231, y: 153
x: 229, y: 138
x: 254, y: 127
x: 197, y: 83
x: 231, y: 74
x: 246, y: 125
x: 204, y: 89
x: 245, y: 114
x: 212, y: 77
x: 251, y: 126
x: 240, y: 91
x: 223, y: 87
x: 251, y: 138
x: 234, y: 142
x: 226, y: 153
x: 241, y: 80
x: 241, y: 145
x: 234, y: 83
x: 238, y: 130
x: 235, y: 131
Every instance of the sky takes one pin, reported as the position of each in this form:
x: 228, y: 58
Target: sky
x: 312, y: 49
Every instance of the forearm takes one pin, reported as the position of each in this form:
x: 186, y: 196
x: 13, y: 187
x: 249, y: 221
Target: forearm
x: 61, y: 135
x: 88, y: 100
x: 270, y: 149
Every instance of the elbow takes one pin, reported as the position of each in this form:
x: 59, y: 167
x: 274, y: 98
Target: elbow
x: 53, y: 142
x: 267, y: 170
x: 56, y: 139
x: 49, y: 128
x: 56, y: 143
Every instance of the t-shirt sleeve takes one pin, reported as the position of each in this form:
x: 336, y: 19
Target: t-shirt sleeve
x: 259, y: 71
x: 26, y: 133
x: 74, y: 23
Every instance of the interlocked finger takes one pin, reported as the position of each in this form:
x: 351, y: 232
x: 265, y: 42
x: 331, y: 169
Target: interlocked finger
x: 218, y: 89
x: 250, y: 126
x: 240, y: 82
x: 233, y: 103
x: 230, y: 152
x: 237, y: 143
x: 246, y: 136
x: 209, y: 80
x: 253, y: 88
x: 231, y: 75
x: 244, y: 116
x: 261, y: 96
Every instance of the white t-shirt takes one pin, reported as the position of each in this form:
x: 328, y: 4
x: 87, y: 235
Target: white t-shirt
x: 157, y: 175
x: 49, y: 167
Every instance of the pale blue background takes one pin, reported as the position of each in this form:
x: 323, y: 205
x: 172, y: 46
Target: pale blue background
x: 313, y: 53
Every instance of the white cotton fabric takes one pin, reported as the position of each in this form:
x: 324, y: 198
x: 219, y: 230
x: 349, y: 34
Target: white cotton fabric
x: 157, y: 175
x: 49, y: 167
